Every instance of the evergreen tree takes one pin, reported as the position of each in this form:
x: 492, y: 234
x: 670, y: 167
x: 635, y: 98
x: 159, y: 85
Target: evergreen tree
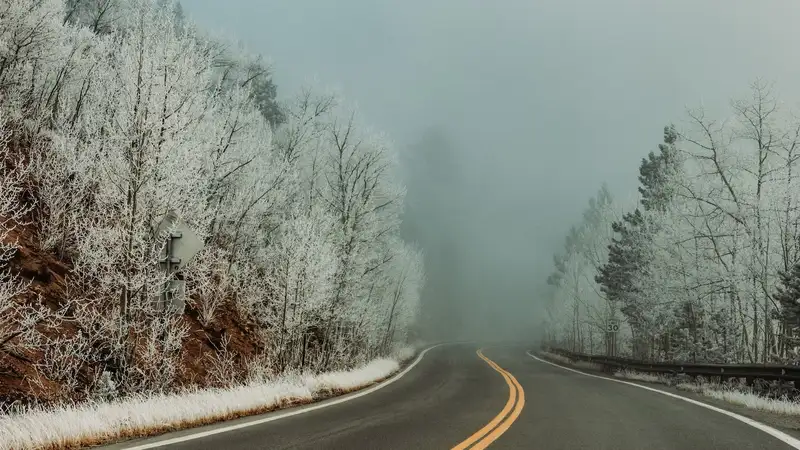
x: 264, y: 93
x: 788, y: 297
x: 655, y: 173
x: 627, y: 251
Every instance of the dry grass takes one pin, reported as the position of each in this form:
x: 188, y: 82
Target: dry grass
x: 86, y: 424
x: 783, y: 406
x: 640, y: 376
x: 691, y: 387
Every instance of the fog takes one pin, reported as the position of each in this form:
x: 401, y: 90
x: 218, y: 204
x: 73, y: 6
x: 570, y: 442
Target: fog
x: 509, y: 115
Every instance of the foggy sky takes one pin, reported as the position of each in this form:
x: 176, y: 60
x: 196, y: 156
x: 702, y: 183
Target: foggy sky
x: 545, y: 99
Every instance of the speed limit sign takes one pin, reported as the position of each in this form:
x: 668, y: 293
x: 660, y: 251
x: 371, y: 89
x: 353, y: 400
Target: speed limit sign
x: 612, y: 326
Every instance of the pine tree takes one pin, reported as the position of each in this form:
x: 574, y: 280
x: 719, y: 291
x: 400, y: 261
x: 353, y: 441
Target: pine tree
x: 655, y: 173
x: 788, y: 297
x: 264, y: 94
x: 627, y: 252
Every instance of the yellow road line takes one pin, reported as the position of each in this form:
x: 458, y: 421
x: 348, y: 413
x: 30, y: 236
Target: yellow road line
x: 497, y: 432
x: 491, y: 431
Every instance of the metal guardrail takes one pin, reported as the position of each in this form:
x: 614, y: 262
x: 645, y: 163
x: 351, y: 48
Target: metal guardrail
x: 748, y: 371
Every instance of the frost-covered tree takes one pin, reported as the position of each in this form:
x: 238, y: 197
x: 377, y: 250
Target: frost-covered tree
x: 788, y: 297
x: 98, y: 15
x: 302, y: 265
x: 17, y: 319
x: 358, y: 189
x: 136, y: 114
x: 703, y: 269
x: 579, y: 308
x: 629, y: 249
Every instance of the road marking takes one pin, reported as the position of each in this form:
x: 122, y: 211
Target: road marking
x: 302, y: 410
x: 512, y: 392
x: 502, y: 421
x: 497, y: 432
x: 780, y: 435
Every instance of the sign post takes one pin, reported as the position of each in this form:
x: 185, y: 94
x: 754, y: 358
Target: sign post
x: 612, y: 328
x: 182, y: 244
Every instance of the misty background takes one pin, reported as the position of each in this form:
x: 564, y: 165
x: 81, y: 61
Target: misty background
x: 509, y: 115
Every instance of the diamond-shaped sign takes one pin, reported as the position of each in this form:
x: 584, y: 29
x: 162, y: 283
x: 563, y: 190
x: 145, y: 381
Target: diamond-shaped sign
x: 185, y: 243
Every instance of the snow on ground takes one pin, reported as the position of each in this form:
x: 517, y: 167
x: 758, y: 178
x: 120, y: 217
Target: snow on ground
x: 93, y: 423
x: 344, y: 381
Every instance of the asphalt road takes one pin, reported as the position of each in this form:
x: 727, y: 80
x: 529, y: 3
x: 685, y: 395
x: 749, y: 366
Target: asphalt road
x: 453, y: 393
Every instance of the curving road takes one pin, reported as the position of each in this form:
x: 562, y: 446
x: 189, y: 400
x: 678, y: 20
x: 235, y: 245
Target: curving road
x: 498, y: 398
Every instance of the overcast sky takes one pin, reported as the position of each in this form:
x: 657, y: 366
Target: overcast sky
x: 546, y: 99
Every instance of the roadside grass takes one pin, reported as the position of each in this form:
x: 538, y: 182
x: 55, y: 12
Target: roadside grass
x: 570, y: 362
x: 641, y: 376
x: 94, y: 423
x: 783, y: 405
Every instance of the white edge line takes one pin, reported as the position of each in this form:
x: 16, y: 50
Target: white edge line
x: 780, y: 435
x: 302, y: 410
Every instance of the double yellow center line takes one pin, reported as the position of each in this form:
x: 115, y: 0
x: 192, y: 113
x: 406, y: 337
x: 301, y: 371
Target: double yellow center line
x: 501, y: 422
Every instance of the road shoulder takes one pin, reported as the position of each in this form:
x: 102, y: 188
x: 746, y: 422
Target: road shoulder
x: 785, y: 423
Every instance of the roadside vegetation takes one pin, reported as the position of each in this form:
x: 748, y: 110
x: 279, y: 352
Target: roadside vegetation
x: 116, y: 114
x: 92, y: 423
x: 705, y: 266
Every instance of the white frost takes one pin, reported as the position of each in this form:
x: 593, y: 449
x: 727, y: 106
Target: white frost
x: 100, y: 421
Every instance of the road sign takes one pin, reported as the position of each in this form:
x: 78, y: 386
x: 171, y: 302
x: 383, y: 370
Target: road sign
x: 184, y: 243
x: 612, y: 326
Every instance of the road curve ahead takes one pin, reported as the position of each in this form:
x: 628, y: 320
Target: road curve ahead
x: 462, y: 397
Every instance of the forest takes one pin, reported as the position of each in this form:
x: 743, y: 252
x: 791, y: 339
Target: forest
x: 705, y: 267
x: 115, y: 114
